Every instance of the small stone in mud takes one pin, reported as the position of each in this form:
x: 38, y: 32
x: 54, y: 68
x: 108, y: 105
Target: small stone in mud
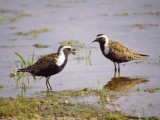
x: 87, y: 89
x: 66, y: 101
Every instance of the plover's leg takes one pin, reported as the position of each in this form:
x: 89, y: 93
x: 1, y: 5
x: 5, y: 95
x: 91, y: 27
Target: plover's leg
x: 118, y: 69
x: 115, y: 69
x: 49, y: 85
x: 47, y: 82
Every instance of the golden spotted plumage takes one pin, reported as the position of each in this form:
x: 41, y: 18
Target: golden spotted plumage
x: 122, y: 53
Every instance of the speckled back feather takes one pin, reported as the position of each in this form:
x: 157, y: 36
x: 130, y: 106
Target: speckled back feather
x: 122, y: 53
x: 43, y: 64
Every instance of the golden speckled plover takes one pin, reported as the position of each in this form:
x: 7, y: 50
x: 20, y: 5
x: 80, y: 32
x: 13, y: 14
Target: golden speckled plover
x: 117, y: 52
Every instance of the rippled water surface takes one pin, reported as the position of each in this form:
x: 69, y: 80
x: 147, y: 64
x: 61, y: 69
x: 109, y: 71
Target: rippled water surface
x: 135, y: 24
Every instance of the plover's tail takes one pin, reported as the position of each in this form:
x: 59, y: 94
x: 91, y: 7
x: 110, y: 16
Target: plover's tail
x: 138, y: 56
x: 144, y: 55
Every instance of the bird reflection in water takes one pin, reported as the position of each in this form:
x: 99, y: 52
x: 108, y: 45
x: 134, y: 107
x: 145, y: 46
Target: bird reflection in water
x: 124, y: 84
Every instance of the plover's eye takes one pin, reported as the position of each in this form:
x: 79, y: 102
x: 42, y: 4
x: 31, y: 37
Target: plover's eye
x: 69, y: 49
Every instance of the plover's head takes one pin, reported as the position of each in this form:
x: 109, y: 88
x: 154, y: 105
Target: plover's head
x: 66, y: 49
x: 101, y: 38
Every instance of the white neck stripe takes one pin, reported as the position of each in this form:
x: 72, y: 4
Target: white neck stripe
x: 60, y: 59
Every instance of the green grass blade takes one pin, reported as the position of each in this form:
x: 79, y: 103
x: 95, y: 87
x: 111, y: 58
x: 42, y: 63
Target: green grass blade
x: 29, y: 63
x: 89, y: 55
x: 32, y: 58
x: 22, y: 59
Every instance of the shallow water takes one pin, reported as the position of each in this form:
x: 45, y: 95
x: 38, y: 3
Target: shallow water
x: 136, y: 24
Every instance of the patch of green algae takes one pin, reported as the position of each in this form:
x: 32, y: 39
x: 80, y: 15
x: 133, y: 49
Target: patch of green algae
x: 56, y: 105
x: 27, y: 108
x: 33, y: 33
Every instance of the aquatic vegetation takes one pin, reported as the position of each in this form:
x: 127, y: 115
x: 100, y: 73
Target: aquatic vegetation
x: 13, y: 107
x: 80, y: 93
x: 121, y: 14
x: 22, y: 15
x: 58, y: 104
x: 143, y: 26
x: 49, y: 107
x: 86, y: 57
x: 138, y: 89
x: 24, y: 87
x: 13, y: 27
x: 113, y: 116
x: 74, y: 43
x: 75, y: 93
x: 78, y: 57
x: 57, y: 6
x: 21, y: 84
x: 1, y: 86
x: 7, y: 46
x: 25, y: 15
x: 152, y: 90
x: 78, y: 1
x: 89, y: 54
x: 2, y: 18
x: 155, y: 62
x: 33, y: 33
x: 138, y: 62
x: 78, y: 46
x: 24, y: 63
x: 40, y: 46
x: 157, y: 13
x: 14, y: 19
x: 24, y: 5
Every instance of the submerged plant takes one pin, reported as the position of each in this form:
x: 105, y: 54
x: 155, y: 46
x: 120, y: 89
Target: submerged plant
x: 75, y: 44
x: 40, y: 46
x: 138, y: 89
x: 143, y: 26
x: 22, y: 15
x: 152, y: 90
x: 33, y: 33
x: 24, y: 63
x: 1, y: 86
x: 19, y: 75
x: 87, y: 57
x: 2, y: 18
x: 155, y: 62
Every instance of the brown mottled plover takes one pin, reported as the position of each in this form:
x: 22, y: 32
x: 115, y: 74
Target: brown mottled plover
x: 50, y: 64
x: 117, y: 52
